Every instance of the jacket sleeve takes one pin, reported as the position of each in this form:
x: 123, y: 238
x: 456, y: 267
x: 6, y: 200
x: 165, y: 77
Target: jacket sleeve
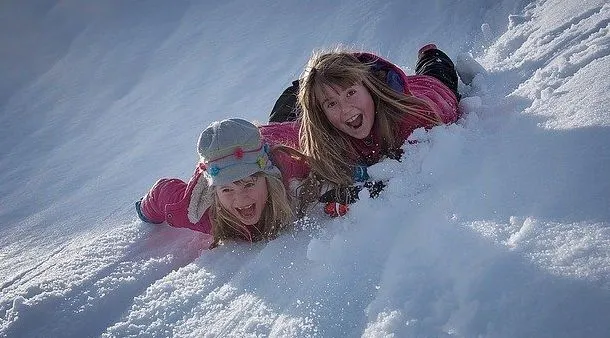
x: 165, y: 191
x: 439, y: 97
x: 292, y: 168
x: 286, y: 134
x: 204, y: 225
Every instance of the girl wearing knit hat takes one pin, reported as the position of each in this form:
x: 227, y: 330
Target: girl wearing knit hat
x: 238, y: 190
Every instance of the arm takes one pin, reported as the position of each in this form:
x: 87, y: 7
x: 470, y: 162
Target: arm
x: 439, y: 97
x: 179, y: 204
x: 292, y: 166
x: 151, y: 208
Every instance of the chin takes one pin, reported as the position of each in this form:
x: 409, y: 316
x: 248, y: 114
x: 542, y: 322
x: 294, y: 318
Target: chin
x: 360, y: 133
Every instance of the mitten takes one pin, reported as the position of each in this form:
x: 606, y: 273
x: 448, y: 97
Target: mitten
x: 333, y: 209
x: 343, y: 195
x: 349, y: 195
x: 374, y: 188
x: 395, y: 154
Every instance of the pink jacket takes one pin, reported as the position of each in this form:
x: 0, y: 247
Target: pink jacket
x: 170, y: 199
x: 439, y: 97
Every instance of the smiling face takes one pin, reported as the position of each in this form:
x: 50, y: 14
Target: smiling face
x: 244, y: 199
x: 350, y: 110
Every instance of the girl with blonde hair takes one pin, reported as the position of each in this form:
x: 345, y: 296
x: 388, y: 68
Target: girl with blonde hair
x: 239, y: 188
x: 358, y: 108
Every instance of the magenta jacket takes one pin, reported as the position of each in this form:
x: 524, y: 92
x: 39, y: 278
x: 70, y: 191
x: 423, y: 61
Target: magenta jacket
x: 439, y: 97
x: 171, y: 200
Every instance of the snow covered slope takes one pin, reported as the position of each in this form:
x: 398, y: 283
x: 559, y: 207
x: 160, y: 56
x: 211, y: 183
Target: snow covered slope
x: 498, y: 226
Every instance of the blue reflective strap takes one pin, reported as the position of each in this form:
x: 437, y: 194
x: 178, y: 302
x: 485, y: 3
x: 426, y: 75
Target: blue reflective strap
x: 392, y: 78
x: 360, y: 173
x: 141, y: 215
x: 394, y: 81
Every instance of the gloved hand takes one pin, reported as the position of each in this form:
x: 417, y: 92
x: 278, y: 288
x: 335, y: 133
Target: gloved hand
x: 374, y: 188
x: 343, y: 195
x: 337, y: 199
x: 334, y: 209
x: 395, y: 154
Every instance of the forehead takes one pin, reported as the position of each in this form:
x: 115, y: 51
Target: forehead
x: 248, y: 179
x: 327, y: 91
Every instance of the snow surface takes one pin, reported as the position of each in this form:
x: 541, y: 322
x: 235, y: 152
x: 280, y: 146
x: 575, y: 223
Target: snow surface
x: 498, y: 226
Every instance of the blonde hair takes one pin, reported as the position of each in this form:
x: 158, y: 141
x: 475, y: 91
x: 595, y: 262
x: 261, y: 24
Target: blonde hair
x: 330, y: 151
x: 307, y: 193
x: 277, y: 215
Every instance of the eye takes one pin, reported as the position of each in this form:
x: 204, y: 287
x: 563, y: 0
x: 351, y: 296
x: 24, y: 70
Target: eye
x: 330, y: 104
x: 226, y: 190
x: 351, y: 92
x: 249, y: 184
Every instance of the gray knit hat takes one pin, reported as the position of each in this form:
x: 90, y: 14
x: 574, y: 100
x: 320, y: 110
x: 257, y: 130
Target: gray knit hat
x: 231, y: 150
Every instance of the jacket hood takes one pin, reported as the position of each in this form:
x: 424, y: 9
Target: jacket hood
x: 395, y: 77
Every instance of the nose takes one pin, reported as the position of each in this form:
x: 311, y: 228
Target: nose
x: 241, y: 194
x: 344, y: 106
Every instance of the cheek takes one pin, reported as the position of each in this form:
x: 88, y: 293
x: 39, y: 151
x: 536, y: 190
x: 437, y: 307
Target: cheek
x: 225, y: 201
x: 334, y: 119
x: 367, y: 103
x: 263, y: 194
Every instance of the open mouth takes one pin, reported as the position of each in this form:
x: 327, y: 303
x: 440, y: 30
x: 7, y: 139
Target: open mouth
x: 355, y: 121
x: 247, y: 211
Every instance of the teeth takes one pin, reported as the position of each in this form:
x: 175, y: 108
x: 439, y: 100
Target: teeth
x: 352, y: 119
x: 245, y: 208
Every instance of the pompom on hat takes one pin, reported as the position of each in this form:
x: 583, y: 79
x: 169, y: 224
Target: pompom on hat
x: 230, y: 150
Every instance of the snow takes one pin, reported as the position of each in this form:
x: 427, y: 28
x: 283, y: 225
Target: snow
x: 497, y: 226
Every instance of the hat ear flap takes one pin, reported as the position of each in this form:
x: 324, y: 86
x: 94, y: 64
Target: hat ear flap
x: 201, y: 200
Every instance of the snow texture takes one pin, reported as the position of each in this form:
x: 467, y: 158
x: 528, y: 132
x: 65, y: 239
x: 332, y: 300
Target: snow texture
x: 497, y: 226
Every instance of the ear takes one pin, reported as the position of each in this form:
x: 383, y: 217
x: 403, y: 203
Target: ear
x: 200, y: 201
